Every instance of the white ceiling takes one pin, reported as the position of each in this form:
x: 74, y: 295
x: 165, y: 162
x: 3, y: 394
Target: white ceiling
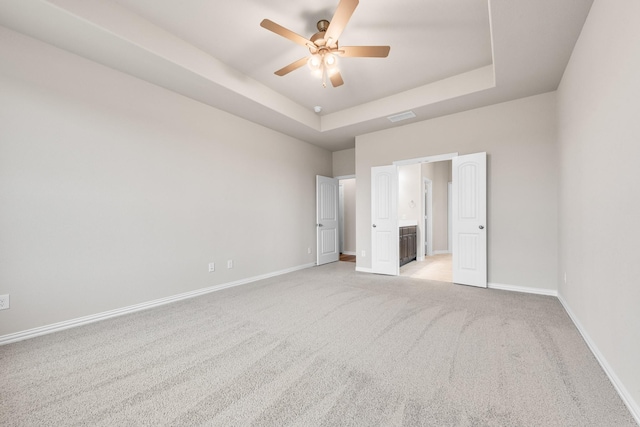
x: 446, y: 55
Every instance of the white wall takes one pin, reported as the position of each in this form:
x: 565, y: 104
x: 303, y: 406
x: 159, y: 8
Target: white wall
x: 409, y: 194
x: 599, y: 139
x: 116, y: 192
x: 520, y: 140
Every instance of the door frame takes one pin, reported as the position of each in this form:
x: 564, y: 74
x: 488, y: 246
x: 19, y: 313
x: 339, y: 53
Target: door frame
x: 427, y: 159
x: 340, y: 217
x: 449, y: 216
x: 341, y: 220
x: 427, y: 211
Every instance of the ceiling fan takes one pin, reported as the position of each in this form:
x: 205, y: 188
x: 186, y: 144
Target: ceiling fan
x: 324, y: 47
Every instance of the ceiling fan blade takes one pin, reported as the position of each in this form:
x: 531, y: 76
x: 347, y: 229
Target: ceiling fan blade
x: 336, y: 79
x: 282, y: 31
x: 293, y: 66
x: 364, y: 51
x: 339, y: 21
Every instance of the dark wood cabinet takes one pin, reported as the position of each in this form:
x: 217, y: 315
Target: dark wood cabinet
x: 408, y: 244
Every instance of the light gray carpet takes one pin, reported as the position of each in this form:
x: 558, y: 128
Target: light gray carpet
x: 324, y: 346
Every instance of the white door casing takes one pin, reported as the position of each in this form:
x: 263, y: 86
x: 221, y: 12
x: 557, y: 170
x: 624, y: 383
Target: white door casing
x: 327, y: 242
x: 340, y: 217
x: 449, y: 220
x: 384, y: 220
x: 428, y: 216
x: 469, y: 219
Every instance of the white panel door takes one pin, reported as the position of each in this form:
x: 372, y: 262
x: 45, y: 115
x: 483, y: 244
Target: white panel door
x: 469, y: 219
x: 384, y: 221
x: 327, y: 220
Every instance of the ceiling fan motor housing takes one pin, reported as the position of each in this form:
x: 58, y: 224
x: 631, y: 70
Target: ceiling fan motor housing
x: 322, y: 25
x: 318, y: 39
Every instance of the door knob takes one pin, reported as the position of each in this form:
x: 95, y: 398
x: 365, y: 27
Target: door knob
x: 320, y: 225
x: 481, y: 227
x: 374, y: 226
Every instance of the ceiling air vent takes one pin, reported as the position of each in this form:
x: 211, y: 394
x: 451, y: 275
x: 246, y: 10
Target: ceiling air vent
x: 401, y: 116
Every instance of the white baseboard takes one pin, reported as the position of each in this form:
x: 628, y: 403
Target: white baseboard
x: 441, y: 252
x: 525, y: 289
x: 348, y: 253
x: 60, y: 326
x: 626, y: 397
x: 364, y: 270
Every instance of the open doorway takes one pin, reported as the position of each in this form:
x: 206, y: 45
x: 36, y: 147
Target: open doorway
x: 429, y: 183
x: 347, y: 219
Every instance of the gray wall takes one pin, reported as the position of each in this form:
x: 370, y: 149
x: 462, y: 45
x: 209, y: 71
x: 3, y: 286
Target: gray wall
x: 599, y: 138
x: 114, y: 191
x: 344, y: 162
x: 520, y: 140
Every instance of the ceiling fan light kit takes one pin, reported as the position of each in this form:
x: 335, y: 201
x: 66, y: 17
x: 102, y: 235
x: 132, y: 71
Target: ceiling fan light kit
x: 323, y: 64
x: 323, y: 45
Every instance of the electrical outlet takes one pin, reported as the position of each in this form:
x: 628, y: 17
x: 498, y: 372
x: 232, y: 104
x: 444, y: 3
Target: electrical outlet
x: 230, y: 264
x: 4, y: 302
x: 364, y: 254
x: 212, y: 267
x: 308, y: 250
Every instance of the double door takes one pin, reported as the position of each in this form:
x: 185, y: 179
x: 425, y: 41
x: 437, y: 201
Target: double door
x: 469, y: 215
